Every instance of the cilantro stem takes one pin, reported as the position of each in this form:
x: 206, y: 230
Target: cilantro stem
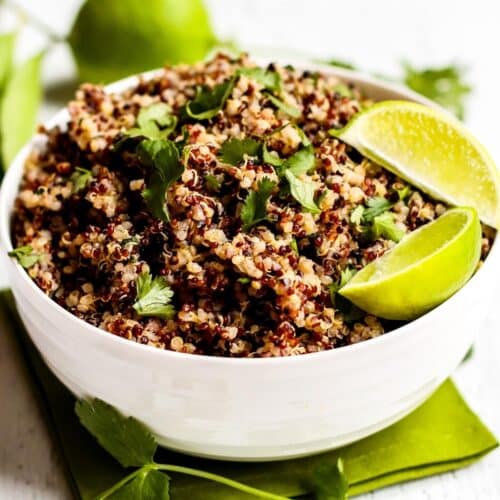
x: 122, y: 482
x: 219, y: 479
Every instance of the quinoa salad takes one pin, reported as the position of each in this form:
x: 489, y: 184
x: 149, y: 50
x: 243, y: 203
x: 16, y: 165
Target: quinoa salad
x: 209, y: 210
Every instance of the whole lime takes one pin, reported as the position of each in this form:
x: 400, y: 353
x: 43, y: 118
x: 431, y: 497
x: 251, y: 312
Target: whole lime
x: 111, y: 39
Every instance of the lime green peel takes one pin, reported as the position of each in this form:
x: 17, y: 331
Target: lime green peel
x: 422, y: 271
x: 431, y: 150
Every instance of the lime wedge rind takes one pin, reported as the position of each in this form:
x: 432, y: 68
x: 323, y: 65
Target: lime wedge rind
x: 432, y: 151
x: 435, y: 261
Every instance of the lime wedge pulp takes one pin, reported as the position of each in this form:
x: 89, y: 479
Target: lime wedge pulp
x: 423, y: 270
x: 431, y: 150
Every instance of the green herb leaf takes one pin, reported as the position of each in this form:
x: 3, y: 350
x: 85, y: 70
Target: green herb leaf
x: 375, y: 206
x: 7, y: 41
x: 469, y: 354
x: 233, y: 151
x: 383, y: 226
x: 154, y: 122
x: 271, y: 158
x: 445, y: 86
x: 123, y: 437
x: 208, y: 102
x: 303, y: 136
x: 270, y: 80
x: 212, y: 182
x: 25, y: 256
x: 403, y: 193
x: 345, y: 277
x: 303, y: 192
x: 343, y: 90
x: 163, y: 157
x: 244, y: 280
x: 294, y: 246
x: 300, y: 162
x: 20, y: 102
x: 330, y: 482
x: 153, y: 297
x: 255, y: 206
x: 148, y: 484
x: 134, y: 36
x: 350, y: 312
x: 357, y: 215
x: 283, y: 106
x: 340, y: 64
x: 80, y: 178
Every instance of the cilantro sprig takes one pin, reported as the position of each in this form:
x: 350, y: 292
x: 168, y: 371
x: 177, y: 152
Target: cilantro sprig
x: 269, y: 79
x: 80, y: 179
x: 345, y: 276
x: 153, y: 297
x: 162, y: 157
x: 375, y: 221
x: 273, y: 88
x: 208, y: 102
x: 445, y: 85
x: 255, y: 205
x: 234, y: 151
x: 293, y: 169
x: 133, y: 445
x: 283, y: 106
x: 25, y: 256
x: 154, y: 122
x: 303, y: 191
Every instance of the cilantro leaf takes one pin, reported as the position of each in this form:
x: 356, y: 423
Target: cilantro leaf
x: 350, y: 312
x: 303, y: 136
x: 212, y: 182
x: 233, y: 151
x: 25, y: 256
x: 330, y: 482
x: 345, y: 276
x: 129, y: 441
x: 383, y: 226
x: 340, y: 64
x: 271, y: 158
x: 468, y: 355
x: 375, y: 206
x: 403, y: 193
x: 208, y: 102
x: 270, y: 80
x: 356, y: 217
x: 154, y: 122
x: 153, y: 297
x: 283, y: 106
x: 300, y: 162
x: 163, y: 157
x: 303, y: 192
x: 255, y: 206
x: 80, y: 178
x: 244, y: 280
x: 294, y: 246
x: 445, y: 86
x: 343, y: 90
x: 148, y: 484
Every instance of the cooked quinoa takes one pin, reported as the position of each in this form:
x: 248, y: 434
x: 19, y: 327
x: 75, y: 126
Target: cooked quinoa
x: 259, y: 290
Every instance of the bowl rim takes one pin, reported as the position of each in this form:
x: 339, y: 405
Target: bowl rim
x: 14, y: 173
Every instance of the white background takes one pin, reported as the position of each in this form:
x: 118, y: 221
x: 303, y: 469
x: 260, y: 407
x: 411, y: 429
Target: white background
x: 375, y: 35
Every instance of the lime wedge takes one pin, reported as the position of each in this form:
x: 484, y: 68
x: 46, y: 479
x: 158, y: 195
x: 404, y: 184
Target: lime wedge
x: 431, y: 150
x: 423, y: 270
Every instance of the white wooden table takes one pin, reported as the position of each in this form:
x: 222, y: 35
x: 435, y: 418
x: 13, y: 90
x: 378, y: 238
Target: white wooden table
x: 375, y: 35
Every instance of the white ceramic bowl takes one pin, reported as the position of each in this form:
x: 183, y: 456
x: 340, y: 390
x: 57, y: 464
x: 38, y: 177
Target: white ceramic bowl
x: 253, y: 409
